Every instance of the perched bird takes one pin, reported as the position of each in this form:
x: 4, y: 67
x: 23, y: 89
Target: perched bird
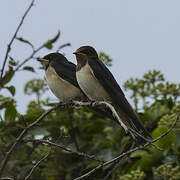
x: 98, y: 84
x: 61, y: 77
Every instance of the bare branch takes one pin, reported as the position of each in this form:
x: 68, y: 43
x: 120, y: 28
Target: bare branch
x: 92, y: 157
x: 117, y: 164
x: 107, y: 163
x: 30, y: 57
x: 37, y: 164
x: 98, y: 103
x: 6, y: 178
x: 14, y: 36
x: 145, y: 139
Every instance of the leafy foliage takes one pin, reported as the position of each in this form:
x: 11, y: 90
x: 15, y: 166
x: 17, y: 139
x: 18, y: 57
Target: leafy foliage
x: 35, y: 86
x: 91, y: 132
x: 167, y: 172
x: 105, y: 58
x: 151, y: 88
x: 136, y: 175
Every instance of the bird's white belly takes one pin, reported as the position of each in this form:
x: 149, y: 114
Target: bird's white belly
x: 61, y: 88
x: 90, y: 85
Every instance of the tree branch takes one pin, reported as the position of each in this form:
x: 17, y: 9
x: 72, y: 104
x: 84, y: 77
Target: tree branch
x: 37, y: 164
x: 54, y: 39
x: 14, y: 36
x: 98, y: 103
x: 117, y: 164
x: 92, y: 157
x: 6, y: 178
x: 30, y: 57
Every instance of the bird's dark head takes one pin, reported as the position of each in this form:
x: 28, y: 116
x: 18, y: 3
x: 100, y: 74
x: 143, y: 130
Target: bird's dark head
x: 85, y: 52
x: 52, y: 57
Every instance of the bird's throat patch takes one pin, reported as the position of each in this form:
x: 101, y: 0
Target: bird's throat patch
x: 81, y: 61
x: 45, y: 63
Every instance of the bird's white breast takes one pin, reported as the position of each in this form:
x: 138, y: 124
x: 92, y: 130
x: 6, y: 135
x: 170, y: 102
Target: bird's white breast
x: 90, y: 85
x: 62, y: 89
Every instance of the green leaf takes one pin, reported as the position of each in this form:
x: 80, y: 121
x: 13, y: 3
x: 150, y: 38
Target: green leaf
x: 5, y: 101
x: 48, y: 45
x: 8, y: 76
x: 139, y: 153
x: 167, y: 140
x: 12, y: 62
x: 54, y: 39
x: 147, y: 160
x: 25, y: 41
x: 93, y: 164
x: 28, y: 68
x: 105, y: 59
x: 10, y: 112
x: 11, y: 89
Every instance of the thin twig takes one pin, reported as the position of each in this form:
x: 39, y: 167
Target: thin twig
x: 113, y: 169
x: 6, y: 178
x: 36, y: 165
x: 92, y: 157
x: 14, y: 36
x: 117, y: 165
x: 98, y: 103
x: 128, y: 152
x: 107, y: 163
x: 145, y: 139
x: 30, y: 57
x: 20, y: 137
x: 54, y: 39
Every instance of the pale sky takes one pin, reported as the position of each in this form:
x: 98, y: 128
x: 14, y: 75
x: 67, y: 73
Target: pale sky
x: 139, y: 35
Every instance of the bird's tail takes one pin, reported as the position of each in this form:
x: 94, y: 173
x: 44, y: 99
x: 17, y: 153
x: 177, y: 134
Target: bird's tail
x: 134, y: 127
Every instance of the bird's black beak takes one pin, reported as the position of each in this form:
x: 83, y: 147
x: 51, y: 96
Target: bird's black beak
x: 75, y: 53
x: 38, y: 59
x: 44, y: 62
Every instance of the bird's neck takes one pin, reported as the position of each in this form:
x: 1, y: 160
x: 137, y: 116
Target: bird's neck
x: 81, y: 65
x: 81, y: 61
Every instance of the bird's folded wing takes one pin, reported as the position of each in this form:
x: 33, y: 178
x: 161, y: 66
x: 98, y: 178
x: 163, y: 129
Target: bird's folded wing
x: 109, y: 83
x: 67, y: 71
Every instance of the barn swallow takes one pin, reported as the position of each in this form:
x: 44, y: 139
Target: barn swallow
x: 61, y: 77
x: 98, y: 84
